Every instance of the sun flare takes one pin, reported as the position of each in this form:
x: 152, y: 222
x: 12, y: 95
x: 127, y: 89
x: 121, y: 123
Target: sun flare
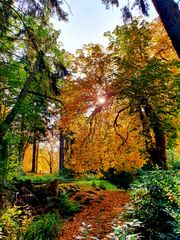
x: 101, y: 100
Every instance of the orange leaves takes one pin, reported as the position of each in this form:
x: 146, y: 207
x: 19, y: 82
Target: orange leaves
x: 98, y: 144
x: 160, y: 45
x: 99, y: 147
x: 102, y: 212
x: 47, y: 158
x: 27, y: 161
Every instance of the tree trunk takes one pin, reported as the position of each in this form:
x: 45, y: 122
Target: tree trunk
x: 21, y: 147
x: 160, y: 139
x: 37, y: 153
x: 158, y: 154
x: 3, y: 158
x: 21, y: 157
x: 34, y: 155
x: 50, y: 168
x: 51, y: 160
x: 148, y: 139
x: 61, y: 150
x: 169, y: 14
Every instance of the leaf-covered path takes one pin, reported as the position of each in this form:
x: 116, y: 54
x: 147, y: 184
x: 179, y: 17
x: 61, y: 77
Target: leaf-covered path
x: 100, y: 209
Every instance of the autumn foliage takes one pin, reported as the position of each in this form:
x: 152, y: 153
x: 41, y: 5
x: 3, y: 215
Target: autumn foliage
x: 116, y: 101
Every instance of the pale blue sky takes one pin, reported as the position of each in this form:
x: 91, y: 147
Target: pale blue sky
x: 87, y: 23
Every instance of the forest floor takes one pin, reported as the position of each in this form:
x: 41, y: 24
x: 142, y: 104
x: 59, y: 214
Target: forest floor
x: 100, y: 208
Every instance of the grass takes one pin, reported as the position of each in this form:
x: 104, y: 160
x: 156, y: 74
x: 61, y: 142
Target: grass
x: 40, y: 178
x: 98, y: 183
x: 86, y: 183
x: 45, y: 227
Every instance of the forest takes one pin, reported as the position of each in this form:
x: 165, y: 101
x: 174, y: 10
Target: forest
x: 89, y: 141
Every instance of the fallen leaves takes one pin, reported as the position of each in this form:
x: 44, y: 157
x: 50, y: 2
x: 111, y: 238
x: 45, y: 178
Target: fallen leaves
x: 100, y: 213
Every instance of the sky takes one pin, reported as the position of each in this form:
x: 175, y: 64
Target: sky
x: 88, y: 20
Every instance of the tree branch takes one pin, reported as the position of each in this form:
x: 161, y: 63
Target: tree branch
x: 118, y: 113
x: 10, y: 117
x: 124, y: 140
x: 45, y: 96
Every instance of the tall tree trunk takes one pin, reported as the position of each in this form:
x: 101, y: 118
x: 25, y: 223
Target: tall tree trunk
x: 159, y: 152
x: 37, y: 153
x: 169, y: 14
x: 51, y: 159
x: 34, y: 155
x: 61, y: 150
x: 148, y: 138
x: 160, y: 139
x: 21, y: 146
x: 3, y: 158
x: 21, y: 157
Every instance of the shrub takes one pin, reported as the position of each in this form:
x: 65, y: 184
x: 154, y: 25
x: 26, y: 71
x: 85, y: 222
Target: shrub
x: 102, y: 185
x: 155, y: 204
x: 9, y: 223
x: 126, y: 231
x: 63, y: 205
x: 118, y: 232
x: 121, y: 179
x: 66, y: 173
x: 173, y: 159
x: 98, y: 183
x: 13, y: 223
x: 86, y: 232
x: 46, y: 227
x: 94, y: 184
x: 67, y: 208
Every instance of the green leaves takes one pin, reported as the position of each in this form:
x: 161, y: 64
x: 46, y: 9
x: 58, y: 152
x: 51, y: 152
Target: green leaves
x: 32, y: 68
x: 155, y: 203
x: 147, y: 82
x: 45, y: 227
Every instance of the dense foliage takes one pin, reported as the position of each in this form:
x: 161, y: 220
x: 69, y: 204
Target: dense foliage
x: 32, y: 68
x: 46, y: 227
x: 121, y: 103
x: 105, y: 112
x: 153, y: 212
x: 155, y: 203
x: 33, y: 212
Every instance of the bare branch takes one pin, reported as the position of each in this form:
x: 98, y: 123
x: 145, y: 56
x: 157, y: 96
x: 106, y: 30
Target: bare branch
x: 68, y: 7
x: 47, y: 161
x: 124, y: 139
x: 118, y: 113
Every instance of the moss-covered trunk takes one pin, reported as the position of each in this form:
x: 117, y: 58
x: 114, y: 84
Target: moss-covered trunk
x: 3, y: 158
x: 152, y: 128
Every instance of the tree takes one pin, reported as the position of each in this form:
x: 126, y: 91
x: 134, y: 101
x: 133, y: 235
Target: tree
x: 61, y: 150
x: 148, y: 83
x: 101, y: 148
x: 49, y: 152
x: 138, y: 83
x: 97, y: 143
x: 29, y: 45
x: 169, y: 14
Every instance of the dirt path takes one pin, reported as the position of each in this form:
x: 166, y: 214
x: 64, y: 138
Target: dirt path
x: 100, y: 209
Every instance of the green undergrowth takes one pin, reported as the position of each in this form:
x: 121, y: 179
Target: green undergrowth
x: 155, y: 204
x: 45, y: 227
x: 102, y: 184
x: 40, y: 178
